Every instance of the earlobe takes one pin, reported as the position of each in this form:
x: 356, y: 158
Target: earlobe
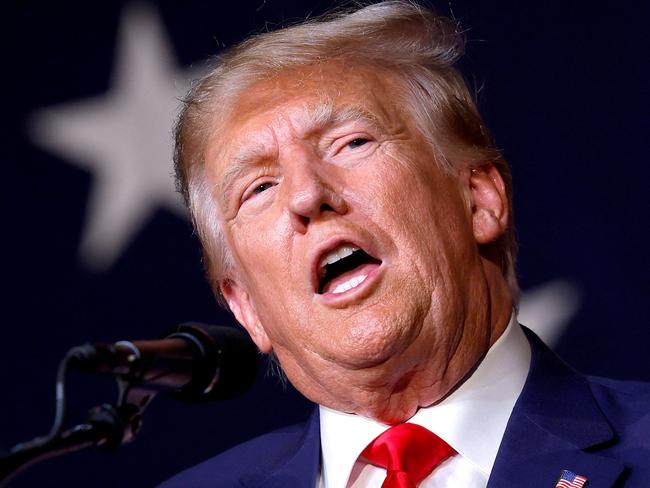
x: 239, y: 302
x: 489, y: 203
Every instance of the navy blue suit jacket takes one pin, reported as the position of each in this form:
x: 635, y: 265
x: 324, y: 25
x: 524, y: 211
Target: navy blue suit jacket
x: 594, y: 427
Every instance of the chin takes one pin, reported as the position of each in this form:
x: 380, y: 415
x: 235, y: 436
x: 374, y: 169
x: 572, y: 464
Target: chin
x: 370, y: 343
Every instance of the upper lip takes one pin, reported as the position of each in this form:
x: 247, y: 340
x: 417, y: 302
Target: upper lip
x: 328, y: 245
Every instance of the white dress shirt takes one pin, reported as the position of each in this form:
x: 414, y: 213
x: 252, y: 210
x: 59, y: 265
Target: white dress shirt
x: 472, y: 420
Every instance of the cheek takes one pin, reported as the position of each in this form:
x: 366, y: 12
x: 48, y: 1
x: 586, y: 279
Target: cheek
x: 253, y: 236
x: 260, y: 253
x: 383, y: 191
x: 263, y: 254
x: 424, y: 213
x: 406, y: 199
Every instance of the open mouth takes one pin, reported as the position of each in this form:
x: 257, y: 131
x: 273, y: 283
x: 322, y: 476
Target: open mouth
x: 344, y: 268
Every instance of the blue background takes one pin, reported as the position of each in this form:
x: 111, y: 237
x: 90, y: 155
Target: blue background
x: 565, y: 89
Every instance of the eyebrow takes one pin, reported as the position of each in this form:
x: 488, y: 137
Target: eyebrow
x: 245, y: 159
x: 324, y: 116
x: 312, y: 118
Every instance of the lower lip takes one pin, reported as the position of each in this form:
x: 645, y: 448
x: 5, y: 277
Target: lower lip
x: 364, y: 288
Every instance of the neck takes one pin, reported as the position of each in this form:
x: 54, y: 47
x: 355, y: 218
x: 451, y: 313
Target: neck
x: 421, y: 385
x: 423, y: 373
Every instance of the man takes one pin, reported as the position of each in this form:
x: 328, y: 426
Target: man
x: 356, y: 219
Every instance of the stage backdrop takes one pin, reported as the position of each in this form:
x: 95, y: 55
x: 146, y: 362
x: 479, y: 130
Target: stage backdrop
x: 98, y: 247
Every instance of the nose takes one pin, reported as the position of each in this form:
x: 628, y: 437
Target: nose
x: 310, y: 191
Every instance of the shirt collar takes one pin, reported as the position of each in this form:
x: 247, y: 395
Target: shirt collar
x: 472, y: 419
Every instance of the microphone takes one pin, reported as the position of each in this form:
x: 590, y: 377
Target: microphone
x: 197, y: 362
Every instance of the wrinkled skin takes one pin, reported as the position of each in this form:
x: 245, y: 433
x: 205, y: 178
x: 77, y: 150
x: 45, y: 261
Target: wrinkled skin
x: 326, y: 154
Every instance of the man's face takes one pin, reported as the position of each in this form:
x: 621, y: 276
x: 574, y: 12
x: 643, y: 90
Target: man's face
x: 355, y: 257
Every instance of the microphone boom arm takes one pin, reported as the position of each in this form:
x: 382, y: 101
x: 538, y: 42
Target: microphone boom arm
x: 106, y: 428
x: 195, y: 363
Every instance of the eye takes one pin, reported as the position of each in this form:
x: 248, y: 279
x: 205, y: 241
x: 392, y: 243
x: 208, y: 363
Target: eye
x: 352, y: 147
x: 257, y: 189
x: 260, y: 188
x: 357, y: 142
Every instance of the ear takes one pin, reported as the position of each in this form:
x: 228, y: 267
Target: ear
x: 241, y: 306
x: 489, y: 203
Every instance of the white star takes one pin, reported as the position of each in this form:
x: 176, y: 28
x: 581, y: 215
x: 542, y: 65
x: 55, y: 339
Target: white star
x: 548, y: 309
x: 123, y: 138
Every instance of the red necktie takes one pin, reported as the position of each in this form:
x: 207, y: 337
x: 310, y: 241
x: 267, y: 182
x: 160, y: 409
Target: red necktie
x: 408, y: 452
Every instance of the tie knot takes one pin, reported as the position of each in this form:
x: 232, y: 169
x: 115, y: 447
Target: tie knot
x: 409, y: 449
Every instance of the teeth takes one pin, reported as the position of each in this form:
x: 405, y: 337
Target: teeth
x: 351, y: 283
x: 336, y: 255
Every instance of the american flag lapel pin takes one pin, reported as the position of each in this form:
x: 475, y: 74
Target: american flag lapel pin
x: 568, y: 479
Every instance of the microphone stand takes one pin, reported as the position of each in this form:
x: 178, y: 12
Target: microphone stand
x: 106, y: 427
x: 189, y: 361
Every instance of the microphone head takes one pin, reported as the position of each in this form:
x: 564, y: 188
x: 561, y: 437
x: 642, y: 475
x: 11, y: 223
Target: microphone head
x: 226, y: 365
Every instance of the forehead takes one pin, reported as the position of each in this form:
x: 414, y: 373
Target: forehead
x: 302, y: 100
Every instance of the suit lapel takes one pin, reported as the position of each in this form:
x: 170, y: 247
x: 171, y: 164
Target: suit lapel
x: 556, y: 424
x: 298, y: 467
